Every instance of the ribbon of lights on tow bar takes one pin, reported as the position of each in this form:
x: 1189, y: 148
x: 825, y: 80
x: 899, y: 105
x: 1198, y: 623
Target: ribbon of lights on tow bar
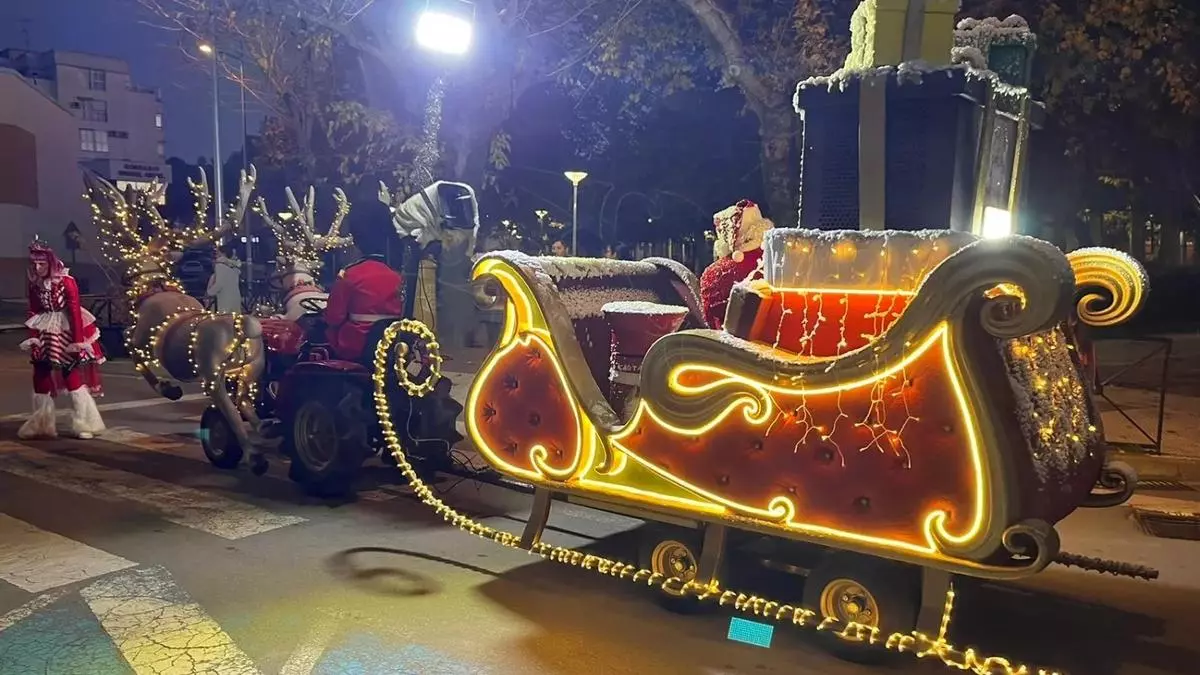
x: 915, y: 643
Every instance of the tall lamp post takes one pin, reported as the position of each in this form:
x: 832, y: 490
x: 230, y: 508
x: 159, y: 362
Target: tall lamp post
x: 576, y: 177
x: 208, y: 50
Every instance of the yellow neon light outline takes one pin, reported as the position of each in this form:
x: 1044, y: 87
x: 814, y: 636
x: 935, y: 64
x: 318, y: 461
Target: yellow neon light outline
x: 781, y: 508
x: 585, y: 445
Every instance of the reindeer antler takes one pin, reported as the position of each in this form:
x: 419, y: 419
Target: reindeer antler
x: 232, y: 220
x: 297, y: 235
x: 332, y: 240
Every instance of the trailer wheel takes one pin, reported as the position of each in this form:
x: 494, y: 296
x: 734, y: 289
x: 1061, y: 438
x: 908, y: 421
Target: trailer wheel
x: 326, y: 440
x: 674, y: 552
x: 220, y: 445
x: 869, y: 591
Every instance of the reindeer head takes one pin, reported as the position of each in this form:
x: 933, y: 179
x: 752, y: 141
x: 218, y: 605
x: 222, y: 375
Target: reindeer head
x: 136, y: 235
x: 300, y: 246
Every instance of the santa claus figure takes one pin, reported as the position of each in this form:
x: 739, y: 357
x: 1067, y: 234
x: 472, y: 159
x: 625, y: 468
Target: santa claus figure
x: 738, y: 252
x: 63, y: 348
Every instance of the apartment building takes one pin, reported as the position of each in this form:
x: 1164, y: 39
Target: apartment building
x: 60, y: 111
x: 41, y: 189
x: 120, y: 125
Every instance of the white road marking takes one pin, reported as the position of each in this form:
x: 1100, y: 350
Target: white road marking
x: 199, y: 510
x: 64, y: 408
x: 177, y: 446
x: 312, y: 647
x: 28, y: 609
x: 159, y: 629
x: 35, y: 560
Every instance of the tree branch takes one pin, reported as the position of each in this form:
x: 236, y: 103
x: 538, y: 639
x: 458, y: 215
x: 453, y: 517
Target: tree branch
x: 733, y: 52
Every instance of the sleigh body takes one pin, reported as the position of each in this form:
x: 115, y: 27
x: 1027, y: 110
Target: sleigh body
x: 908, y: 395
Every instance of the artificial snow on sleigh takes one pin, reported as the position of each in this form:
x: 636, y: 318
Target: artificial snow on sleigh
x: 909, y: 396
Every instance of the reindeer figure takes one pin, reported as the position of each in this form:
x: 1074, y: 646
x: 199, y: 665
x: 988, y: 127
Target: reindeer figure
x: 174, y: 339
x: 301, y: 249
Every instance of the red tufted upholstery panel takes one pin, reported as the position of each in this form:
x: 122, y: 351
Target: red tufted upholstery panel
x: 826, y: 323
x: 522, y: 404
x: 848, y: 482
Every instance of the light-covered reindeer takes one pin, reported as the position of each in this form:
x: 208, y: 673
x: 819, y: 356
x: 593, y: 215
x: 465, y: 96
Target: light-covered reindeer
x: 174, y: 339
x: 300, y: 251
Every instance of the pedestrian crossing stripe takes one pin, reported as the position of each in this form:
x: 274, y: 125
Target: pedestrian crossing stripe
x: 35, y: 560
x: 136, y: 622
x: 189, y: 507
x: 159, y: 629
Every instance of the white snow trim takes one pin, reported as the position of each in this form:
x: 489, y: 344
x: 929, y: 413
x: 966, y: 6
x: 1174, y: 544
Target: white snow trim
x: 969, y: 56
x: 642, y: 307
x: 580, y: 268
x: 582, y: 303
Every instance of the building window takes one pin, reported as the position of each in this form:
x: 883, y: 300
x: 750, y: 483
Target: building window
x: 95, y: 111
x: 97, y: 80
x: 162, y: 150
x: 91, y: 140
x: 157, y: 120
x: 118, y: 134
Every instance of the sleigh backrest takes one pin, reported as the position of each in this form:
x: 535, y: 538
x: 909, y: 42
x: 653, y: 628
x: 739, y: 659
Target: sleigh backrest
x: 584, y: 285
x: 827, y: 293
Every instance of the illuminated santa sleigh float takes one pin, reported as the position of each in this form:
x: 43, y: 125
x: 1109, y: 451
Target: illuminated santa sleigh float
x: 884, y: 408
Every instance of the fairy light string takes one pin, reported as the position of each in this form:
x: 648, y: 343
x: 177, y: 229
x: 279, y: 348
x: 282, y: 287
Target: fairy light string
x: 915, y: 643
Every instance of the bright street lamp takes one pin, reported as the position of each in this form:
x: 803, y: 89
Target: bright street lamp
x: 444, y: 33
x: 576, y: 177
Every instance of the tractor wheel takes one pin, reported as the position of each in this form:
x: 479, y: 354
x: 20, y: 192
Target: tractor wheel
x: 326, y: 439
x: 220, y: 445
x: 870, y: 591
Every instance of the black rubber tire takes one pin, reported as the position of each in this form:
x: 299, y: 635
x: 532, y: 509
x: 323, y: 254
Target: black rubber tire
x: 650, y: 538
x: 895, y: 588
x: 337, y: 411
x: 221, y: 447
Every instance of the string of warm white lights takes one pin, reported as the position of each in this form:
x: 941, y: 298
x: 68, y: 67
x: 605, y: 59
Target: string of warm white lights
x: 915, y: 643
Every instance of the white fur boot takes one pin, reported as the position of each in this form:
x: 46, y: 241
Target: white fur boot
x: 41, y: 423
x: 85, y: 417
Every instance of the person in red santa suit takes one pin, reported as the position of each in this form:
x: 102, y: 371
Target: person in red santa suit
x: 63, y: 347
x: 367, y: 291
x: 738, y: 251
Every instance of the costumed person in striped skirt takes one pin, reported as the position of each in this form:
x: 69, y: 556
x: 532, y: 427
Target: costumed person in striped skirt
x: 63, y: 347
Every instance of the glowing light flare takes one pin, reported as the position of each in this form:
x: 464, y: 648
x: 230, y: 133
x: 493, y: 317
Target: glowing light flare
x: 997, y: 223
x: 444, y: 33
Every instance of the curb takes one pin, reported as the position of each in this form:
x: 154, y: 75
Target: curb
x: 1161, y: 467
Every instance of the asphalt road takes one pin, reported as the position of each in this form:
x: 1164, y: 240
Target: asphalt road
x: 130, y: 554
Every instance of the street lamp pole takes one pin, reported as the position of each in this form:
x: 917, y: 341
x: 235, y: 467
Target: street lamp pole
x: 576, y: 177
x: 217, y: 171
x: 245, y: 165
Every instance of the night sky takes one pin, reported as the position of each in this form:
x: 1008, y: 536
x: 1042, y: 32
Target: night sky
x: 119, y: 28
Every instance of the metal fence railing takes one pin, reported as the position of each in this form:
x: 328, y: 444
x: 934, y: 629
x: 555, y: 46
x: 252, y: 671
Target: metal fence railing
x: 1159, y: 346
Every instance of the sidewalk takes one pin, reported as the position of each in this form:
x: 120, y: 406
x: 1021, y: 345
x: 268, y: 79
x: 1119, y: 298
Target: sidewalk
x: 1180, y: 454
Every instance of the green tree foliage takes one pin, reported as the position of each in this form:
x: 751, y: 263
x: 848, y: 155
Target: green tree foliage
x: 299, y: 65
x: 655, y: 48
x: 1118, y: 78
